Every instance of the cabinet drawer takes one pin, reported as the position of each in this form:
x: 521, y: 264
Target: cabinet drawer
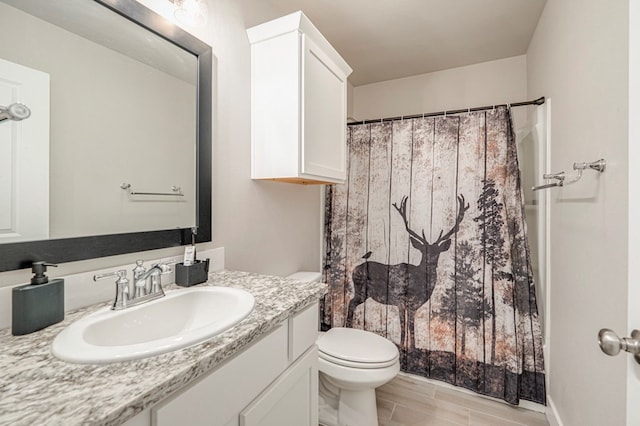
x: 222, y: 394
x: 303, y: 331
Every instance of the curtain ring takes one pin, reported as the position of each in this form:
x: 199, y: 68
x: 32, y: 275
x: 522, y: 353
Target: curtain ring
x: 402, y: 118
x: 445, y: 114
x: 468, y: 111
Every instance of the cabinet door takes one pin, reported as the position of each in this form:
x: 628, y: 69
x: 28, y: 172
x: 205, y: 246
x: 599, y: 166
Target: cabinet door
x: 290, y: 400
x: 217, y: 399
x: 324, y: 104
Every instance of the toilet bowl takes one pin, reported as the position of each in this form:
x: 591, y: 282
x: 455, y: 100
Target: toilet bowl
x: 352, y: 364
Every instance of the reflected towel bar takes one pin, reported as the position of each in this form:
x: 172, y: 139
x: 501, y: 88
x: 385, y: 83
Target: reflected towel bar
x: 177, y: 191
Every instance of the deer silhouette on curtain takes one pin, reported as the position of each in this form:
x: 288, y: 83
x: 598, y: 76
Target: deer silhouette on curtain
x: 462, y: 308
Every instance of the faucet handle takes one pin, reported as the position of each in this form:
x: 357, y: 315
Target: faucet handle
x: 122, y: 287
x: 139, y: 269
x: 121, y: 274
x: 156, y: 283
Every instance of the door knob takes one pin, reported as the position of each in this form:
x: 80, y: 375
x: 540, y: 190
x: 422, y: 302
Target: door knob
x: 611, y: 344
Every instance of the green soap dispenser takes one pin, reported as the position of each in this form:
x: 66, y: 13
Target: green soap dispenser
x: 39, y: 304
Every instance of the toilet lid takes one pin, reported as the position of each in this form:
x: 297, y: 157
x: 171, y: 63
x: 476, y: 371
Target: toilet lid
x: 348, y: 346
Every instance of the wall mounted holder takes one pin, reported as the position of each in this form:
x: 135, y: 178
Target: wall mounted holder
x: 560, y: 178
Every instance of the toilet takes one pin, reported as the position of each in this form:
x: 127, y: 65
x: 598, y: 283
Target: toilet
x: 352, y: 364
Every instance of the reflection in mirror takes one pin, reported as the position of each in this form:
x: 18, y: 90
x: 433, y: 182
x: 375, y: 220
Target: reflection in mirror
x: 116, y: 154
x: 111, y: 103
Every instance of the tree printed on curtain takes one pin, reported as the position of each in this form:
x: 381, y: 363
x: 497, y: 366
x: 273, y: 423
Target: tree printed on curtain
x: 426, y: 246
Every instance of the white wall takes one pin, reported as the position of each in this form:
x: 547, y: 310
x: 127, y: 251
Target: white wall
x: 578, y: 58
x: 265, y: 227
x: 488, y: 83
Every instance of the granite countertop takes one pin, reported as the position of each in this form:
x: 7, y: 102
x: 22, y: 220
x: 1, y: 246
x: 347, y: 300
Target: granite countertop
x: 37, y: 388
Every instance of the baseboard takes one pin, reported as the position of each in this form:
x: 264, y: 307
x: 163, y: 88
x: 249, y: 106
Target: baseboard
x: 552, y: 414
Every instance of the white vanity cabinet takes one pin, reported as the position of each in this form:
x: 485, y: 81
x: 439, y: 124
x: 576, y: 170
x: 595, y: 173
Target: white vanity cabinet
x: 272, y: 382
x: 299, y: 103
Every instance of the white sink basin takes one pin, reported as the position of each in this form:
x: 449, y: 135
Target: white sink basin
x: 182, y: 318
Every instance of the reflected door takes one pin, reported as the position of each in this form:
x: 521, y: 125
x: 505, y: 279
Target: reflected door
x: 24, y: 155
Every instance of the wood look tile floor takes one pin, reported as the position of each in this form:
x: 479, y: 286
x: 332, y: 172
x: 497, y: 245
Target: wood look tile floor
x: 412, y: 401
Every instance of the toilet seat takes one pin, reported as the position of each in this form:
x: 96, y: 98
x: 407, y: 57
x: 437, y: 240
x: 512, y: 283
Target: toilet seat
x: 356, y: 364
x: 355, y: 348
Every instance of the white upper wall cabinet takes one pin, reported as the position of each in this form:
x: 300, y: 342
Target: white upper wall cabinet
x: 299, y: 103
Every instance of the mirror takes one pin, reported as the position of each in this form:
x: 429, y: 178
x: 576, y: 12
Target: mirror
x: 127, y: 166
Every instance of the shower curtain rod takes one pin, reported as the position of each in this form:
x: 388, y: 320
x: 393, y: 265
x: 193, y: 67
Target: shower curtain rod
x: 538, y: 101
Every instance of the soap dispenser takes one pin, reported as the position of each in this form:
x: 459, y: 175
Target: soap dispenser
x: 39, y: 304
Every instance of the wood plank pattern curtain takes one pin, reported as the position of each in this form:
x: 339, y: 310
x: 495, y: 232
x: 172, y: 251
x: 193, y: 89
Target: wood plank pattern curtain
x: 426, y: 245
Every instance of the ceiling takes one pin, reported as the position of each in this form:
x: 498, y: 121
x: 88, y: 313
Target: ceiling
x: 388, y: 39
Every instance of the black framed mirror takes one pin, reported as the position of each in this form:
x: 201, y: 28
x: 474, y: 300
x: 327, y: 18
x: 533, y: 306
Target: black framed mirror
x: 20, y: 255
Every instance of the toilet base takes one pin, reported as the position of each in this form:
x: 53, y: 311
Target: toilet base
x: 348, y: 408
x: 358, y: 408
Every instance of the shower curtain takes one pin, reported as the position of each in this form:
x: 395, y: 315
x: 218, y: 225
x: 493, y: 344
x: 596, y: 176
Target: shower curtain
x: 426, y: 245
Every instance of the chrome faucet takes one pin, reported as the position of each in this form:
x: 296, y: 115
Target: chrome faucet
x: 124, y: 298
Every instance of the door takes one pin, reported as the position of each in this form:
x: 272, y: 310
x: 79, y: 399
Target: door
x: 633, y: 308
x: 24, y: 155
x: 609, y: 341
